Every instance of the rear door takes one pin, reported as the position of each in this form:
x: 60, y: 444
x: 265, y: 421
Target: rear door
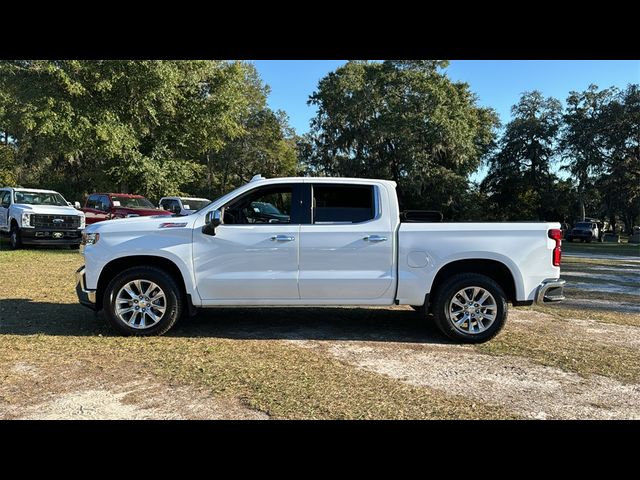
x: 347, y: 250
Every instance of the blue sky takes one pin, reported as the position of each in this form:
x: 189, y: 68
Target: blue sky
x: 498, y: 83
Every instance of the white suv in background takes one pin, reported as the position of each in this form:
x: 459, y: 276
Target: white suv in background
x: 183, y: 205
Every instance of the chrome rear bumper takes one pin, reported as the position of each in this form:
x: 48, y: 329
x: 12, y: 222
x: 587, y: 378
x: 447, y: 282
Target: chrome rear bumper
x: 551, y: 290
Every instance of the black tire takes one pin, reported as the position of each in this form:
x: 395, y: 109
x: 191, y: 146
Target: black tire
x: 75, y: 246
x: 173, y: 295
x: 445, y: 293
x: 15, y: 239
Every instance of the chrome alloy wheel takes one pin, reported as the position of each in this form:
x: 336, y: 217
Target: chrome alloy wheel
x: 472, y: 310
x: 140, y: 304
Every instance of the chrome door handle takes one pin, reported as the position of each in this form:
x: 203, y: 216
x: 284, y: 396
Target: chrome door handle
x: 283, y: 238
x: 375, y: 238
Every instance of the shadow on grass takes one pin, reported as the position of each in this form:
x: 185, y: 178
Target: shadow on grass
x: 25, y: 317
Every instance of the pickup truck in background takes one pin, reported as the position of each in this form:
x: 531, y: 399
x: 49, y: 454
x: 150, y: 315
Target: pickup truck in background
x: 584, y: 231
x: 333, y: 241
x: 107, y: 206
x: 183, y: 205
x: 39, y: 217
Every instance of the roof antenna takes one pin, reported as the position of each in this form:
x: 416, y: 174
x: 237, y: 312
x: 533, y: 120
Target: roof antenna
x: 256, y: 178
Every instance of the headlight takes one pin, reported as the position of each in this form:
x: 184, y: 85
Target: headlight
x: 26, y: 220
x: 90, y: 238
x: 82, y: 222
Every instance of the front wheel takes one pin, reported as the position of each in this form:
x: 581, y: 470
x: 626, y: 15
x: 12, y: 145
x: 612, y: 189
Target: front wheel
x: 142, y: 301
x: 15, y: 239
x: 470, y: 308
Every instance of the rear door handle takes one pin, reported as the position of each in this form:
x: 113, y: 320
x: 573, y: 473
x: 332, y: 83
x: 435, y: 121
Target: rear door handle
x: 283, y: 238
x: 375, y: 238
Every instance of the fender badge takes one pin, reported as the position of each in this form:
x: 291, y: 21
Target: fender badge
x: 173, y: 224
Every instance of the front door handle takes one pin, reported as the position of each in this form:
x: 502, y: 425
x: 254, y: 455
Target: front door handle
x: 283, y: 238
x: 375, y: 238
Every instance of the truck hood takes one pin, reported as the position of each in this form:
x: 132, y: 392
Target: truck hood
x: 140, y: 224
x: 46, y: 209
x: 142, y: 211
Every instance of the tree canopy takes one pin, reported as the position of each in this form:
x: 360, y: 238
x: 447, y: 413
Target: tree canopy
x: 401, y: 120
x: 147, y: 126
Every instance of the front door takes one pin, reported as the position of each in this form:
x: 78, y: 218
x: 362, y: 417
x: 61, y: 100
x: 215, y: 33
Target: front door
x: 346, y: 252
x: 253, y: 255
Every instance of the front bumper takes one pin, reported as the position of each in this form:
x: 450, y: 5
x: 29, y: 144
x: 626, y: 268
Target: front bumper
x: 551, y: 290
x: 49, y: 236
x: 86, y: 297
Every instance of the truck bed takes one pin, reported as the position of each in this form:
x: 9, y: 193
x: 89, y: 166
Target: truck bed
x: 523, y: 247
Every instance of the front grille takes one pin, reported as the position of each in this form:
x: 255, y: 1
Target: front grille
x: 47, y: 221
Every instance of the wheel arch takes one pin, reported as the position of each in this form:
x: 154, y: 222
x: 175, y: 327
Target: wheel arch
x: 114, y: 267
x: 494, y: 269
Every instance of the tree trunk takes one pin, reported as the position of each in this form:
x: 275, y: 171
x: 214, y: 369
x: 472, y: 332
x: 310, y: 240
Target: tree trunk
x: 209, y: 174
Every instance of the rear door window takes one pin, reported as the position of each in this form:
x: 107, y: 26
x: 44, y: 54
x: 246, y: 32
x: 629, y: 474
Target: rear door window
x: 343, y: 203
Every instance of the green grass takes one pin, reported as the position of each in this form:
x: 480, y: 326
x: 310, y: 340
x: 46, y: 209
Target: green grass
x: 548, y: 346
x: 623, y: 249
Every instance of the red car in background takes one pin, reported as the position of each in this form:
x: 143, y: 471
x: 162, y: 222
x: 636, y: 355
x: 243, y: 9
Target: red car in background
x: 107, y: 206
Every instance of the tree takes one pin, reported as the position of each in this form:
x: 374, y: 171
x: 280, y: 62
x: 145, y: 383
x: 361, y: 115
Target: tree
x: 519, y: 171
x: 267, y: 146
x: 7, y: 165
x: 146, y: 126
x: 582, y: 136
x: 620, y: 179
x: 400, y: 120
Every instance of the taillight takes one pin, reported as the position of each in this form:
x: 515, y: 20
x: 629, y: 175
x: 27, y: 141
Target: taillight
x: 556, y: 234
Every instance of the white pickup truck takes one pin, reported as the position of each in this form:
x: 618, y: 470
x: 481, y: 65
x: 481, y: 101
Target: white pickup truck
x: 39, y: 217
x: 316, y: 241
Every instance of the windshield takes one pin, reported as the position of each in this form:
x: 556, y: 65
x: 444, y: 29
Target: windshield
x: 262, y: 207
x: 129, y: 202
x: 38, y: 198
x: 583, y: 225
x: 191, y: 204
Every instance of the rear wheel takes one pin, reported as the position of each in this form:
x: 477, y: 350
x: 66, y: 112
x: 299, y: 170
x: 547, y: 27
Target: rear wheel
x: 15, y: 239
x: 142, y: 301
x: 470, y: 308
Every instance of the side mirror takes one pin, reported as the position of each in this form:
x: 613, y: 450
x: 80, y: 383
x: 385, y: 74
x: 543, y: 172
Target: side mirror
x: 211, y: 221
x: 77, y: 205
x: 70, y: 204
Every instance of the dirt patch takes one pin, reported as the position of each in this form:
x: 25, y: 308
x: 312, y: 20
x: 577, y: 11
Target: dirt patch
x: 600, y: 304
x: 568, y: 327
x: 28, y: 391
x: 128, y: 405
x: 534, y: 391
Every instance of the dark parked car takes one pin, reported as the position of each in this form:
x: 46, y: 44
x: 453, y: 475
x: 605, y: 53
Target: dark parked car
x: 584, y: 231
